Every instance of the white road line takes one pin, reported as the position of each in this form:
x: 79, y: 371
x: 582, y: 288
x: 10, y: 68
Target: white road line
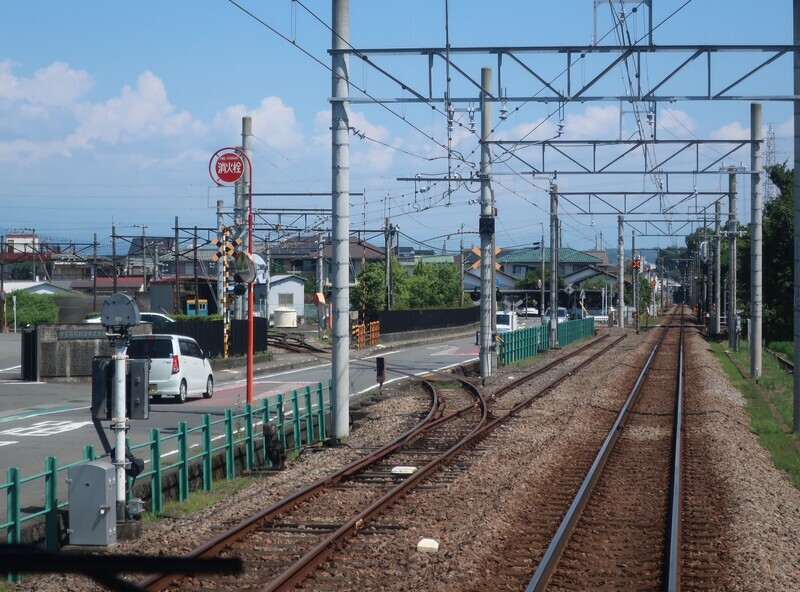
x: 11, y: 368
x: 391, y: 353
x: 366, y: 390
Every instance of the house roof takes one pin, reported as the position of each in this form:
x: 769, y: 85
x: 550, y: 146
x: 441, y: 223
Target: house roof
x: 305, y: 247
x: 438, y: 259
x: 153, y: 244
x: 601, y: 255
x: 534, y: 256
x: 57, y: 287
x: 127, y: 281
x: 277, y: 279
x: 472, y: 277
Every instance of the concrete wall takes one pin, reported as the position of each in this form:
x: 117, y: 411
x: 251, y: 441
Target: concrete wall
x: 65, y: 352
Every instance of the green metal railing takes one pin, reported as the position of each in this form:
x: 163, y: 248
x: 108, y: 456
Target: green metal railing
x: 235, y: 430
x: 526, y: 343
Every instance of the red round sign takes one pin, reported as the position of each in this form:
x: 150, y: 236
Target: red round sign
x: 229, y: 167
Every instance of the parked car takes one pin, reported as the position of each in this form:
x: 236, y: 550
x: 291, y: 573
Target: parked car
x: 506, y: 321
x: 158, y: 319
x: 562, y: 315
x: 179, y: 368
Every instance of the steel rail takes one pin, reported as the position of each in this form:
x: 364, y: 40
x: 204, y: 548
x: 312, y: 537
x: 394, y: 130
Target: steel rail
x: 676, y: 489
x: 549, y: 562
x: 308, y: 563
x: 212, y: 547
x: 292, y: 343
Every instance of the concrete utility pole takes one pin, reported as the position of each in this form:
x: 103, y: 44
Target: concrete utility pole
x: 621, y: 274
x: 220, y: 262
x: 756, y: 244
x: 268, y: 258
x: 196, y: 278
x: 176, y: 293
x: 717, y: 327
x: 144, y: 260
x: 340, y: 198
x: 634, y: 282
x: 94, y: 272
x: 241, y: 210
x: 486, y: 229
x: 388, y: 248
x: 796, y: 397
x: 732, y: 259
x: 541, y: 275
x: 320, y: 261
x: 114, y: 257
x: 553, y: 265
x: 461, y: 265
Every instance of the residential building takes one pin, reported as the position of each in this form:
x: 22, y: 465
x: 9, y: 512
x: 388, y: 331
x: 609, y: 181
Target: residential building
x: 301, y: 256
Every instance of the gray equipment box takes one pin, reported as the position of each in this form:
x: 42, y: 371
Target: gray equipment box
x: 92, y: 504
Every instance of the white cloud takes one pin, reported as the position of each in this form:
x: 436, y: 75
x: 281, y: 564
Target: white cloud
x: 55, y: 85
x: 595, y: 122
x: 139, y: 113
x: 676, y: 120
x: 273, y: 123
x: 537, y: 130
x: 374, y: 152
x: 731, y: 131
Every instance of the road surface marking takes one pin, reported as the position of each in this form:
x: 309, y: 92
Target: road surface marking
x: 47, y: 428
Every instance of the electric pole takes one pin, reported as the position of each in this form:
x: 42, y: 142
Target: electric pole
x: 340, y: 205
x: 553, y: 330
x: 621, y: 273
x: 486, y: 229
x: 756, y: 244
x: 732, y: 259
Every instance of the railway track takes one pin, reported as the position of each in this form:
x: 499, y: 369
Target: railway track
x: 288, y: 542
x: 626, y: 526
x: 292, y: 342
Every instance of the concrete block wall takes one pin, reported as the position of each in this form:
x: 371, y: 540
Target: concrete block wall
x: 65, y: 352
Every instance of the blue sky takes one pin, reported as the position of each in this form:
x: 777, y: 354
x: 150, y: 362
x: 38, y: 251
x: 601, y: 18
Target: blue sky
x: 110, y: 111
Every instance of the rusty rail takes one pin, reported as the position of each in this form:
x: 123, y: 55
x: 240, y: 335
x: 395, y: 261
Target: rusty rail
x: 549, y: 562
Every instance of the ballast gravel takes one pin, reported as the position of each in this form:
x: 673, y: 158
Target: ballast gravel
x: 764, y: 514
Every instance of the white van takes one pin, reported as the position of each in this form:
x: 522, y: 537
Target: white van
x: 178, y: 366
x: 507, y: 321
x: 562, y: 315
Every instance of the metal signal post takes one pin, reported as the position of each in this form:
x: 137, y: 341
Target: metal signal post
x: 226, y: 169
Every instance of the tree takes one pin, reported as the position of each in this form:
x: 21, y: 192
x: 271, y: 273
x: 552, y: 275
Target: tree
x: 778, y: 253
x: 431, y: 285
x: 21, y: 271
x: 777, y: 263
x: 370, y: 293
x: 33, y: 309
x: 531, y: 280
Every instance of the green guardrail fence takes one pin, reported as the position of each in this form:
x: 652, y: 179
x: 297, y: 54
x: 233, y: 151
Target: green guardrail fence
x: 306, y: 422
x: 526, y: 343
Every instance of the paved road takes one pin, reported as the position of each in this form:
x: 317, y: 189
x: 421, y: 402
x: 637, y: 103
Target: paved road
x: 38, y: 420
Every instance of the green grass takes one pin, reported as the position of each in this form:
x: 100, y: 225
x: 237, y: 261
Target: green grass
x: 769, y: 405
x: 198, y: 500
x: 783, y: 347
